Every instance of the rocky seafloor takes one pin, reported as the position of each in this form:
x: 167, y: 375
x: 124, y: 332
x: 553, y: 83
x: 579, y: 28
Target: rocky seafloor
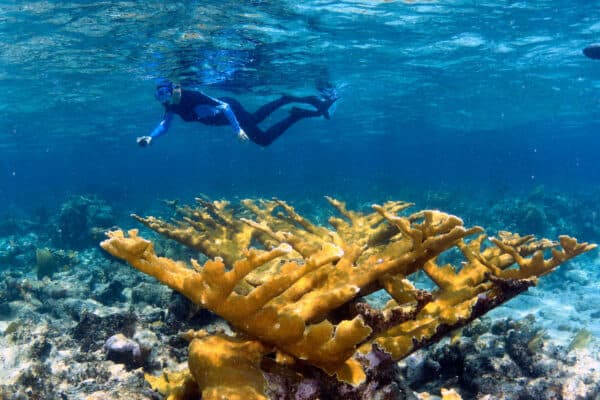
x: 77, y: 324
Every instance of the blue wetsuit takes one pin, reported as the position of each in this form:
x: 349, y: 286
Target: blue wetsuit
x: 198, y: 107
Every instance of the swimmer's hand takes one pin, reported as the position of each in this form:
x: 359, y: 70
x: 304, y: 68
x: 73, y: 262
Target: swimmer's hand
x: 242, y: 137
x: 144, y: 141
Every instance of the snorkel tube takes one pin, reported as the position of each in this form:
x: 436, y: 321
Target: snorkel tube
x: 176, y: 93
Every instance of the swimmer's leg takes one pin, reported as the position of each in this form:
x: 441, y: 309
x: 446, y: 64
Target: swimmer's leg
x: 266, y: 110
x: 265, y: 138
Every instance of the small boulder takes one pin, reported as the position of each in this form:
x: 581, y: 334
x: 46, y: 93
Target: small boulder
x: 123, y: 350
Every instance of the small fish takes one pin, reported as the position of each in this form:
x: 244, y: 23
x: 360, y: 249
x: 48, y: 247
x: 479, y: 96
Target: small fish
x: 456, y: 335
x: 581, y: 340
x: 536, y: 343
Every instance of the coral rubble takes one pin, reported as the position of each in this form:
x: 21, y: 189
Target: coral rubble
x: 505, y: 359
x: 293, y: 289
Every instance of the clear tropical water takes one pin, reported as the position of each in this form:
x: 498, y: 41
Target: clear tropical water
x: 434, y: 95
x: 486, y: 109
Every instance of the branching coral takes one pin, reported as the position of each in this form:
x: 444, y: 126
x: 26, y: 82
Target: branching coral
x: 282, y: 282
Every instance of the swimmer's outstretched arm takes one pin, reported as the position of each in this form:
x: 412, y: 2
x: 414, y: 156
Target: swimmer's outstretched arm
x: 160, y: 130
x: 226, y: 109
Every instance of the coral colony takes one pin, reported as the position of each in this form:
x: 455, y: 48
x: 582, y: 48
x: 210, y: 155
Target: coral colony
x: 293, y: 292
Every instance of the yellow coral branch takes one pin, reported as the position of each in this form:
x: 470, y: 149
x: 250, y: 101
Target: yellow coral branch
x: 228, y: 368
x: 285, y: 291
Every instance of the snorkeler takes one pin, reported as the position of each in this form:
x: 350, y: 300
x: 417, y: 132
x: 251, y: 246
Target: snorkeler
x: 196, y: 106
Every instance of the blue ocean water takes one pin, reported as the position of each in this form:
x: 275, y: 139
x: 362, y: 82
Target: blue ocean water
x: 473, y: 95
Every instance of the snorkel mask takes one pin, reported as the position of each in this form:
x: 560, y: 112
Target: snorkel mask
x: 168, y: 92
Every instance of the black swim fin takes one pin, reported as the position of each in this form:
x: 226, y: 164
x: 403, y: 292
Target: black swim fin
x: 325, y: 105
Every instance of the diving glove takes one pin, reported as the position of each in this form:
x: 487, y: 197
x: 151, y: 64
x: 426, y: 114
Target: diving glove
x: 144, y: 141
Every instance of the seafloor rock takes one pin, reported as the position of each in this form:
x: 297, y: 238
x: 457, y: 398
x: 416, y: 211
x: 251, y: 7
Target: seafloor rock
x: 505, y: 359
x: 383, y: 382
x: 46, y: 353
x: 92, y: 330
x: 81, y: 221
x: 120, y: 349
x: 152, y: 294
x: 544, y: 212
x: 17, y: 251
x: 18, y: 223
x: 9, y: 291
x: 109, y: 293
x: 52, y: 334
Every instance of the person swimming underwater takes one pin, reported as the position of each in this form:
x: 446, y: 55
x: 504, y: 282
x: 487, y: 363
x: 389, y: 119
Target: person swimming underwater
x: 195, y: 106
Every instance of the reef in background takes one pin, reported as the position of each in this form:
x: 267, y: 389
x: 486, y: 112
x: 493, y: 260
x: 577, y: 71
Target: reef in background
x: 292, y: 290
